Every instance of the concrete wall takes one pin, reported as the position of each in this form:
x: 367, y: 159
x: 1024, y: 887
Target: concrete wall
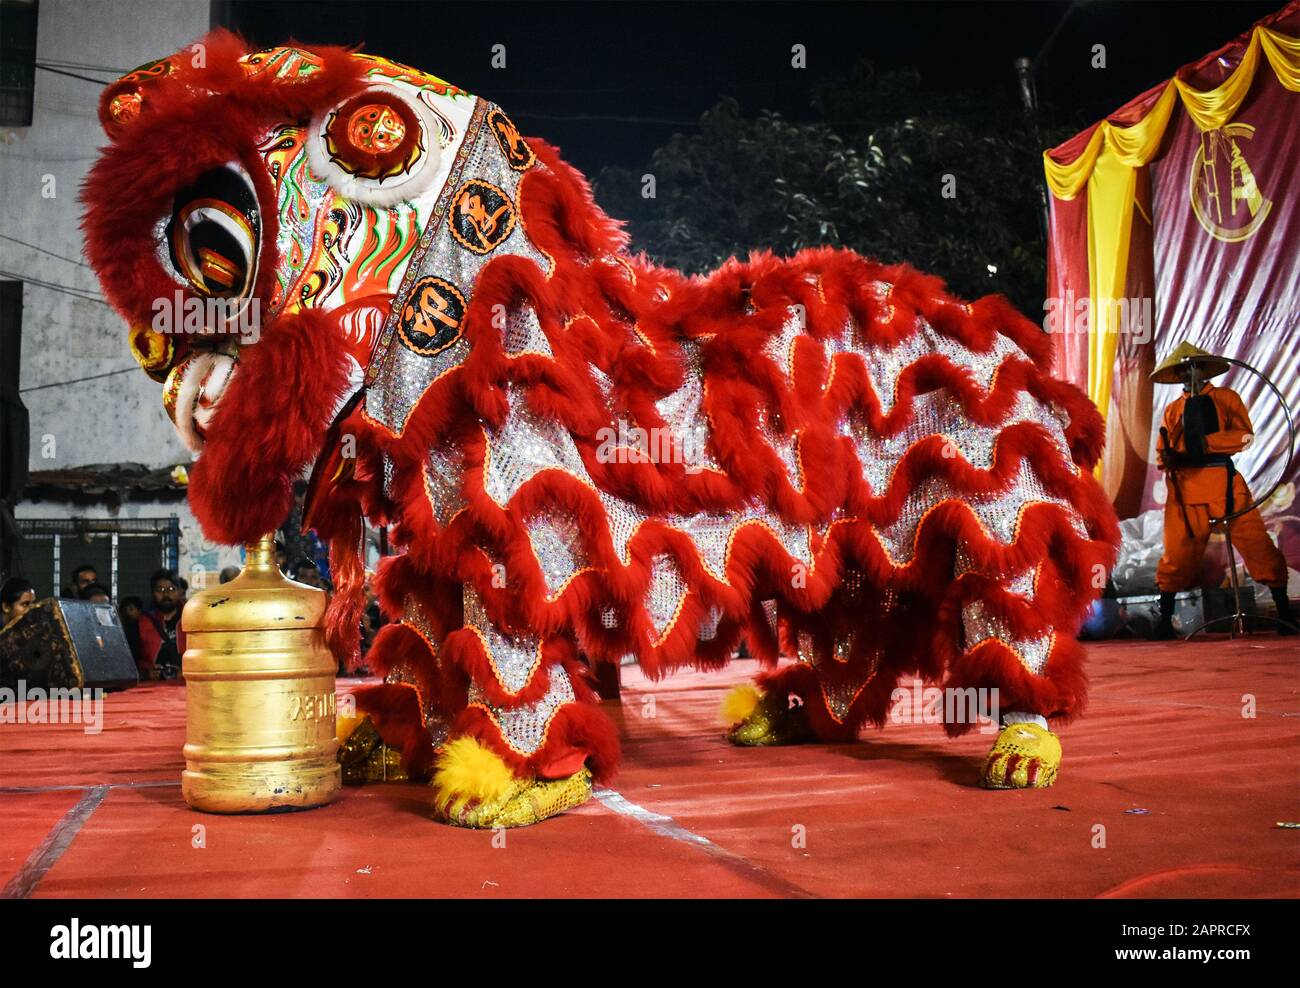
x: 118, y: 418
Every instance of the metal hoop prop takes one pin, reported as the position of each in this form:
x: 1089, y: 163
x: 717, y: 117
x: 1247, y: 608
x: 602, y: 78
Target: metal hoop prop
x: 1238, y: 625
x: 1290, y: 446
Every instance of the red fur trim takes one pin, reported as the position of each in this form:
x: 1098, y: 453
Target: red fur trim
x: 240, y: 486
x: 347, y: 604
x: 640, y: 326
x: 344, y: 483
x: 920, y: 637
x: 402, y: 649
x: 394, y: 708
x: 575, y: 729
x: 1059, y: 693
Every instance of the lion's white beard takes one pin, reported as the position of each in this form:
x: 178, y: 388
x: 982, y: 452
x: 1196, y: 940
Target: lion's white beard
x: 205, y: 381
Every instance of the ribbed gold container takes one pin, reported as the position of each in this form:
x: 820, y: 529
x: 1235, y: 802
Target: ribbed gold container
x: 259, y: 684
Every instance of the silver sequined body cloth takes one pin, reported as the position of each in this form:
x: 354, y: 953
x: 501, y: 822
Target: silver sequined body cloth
x: 582, y: 457
x: 559, y: 539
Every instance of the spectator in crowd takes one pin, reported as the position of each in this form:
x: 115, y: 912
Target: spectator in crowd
x: 299, y: 544
x: 372, y: 618
x: 17, y: 595
x: 129, y: 609
x: 162, y: 639
x: 96, y: 594
x: 305, y: 571
x: 82, y: 577
x: 291, y: 533
x: 229, y: 573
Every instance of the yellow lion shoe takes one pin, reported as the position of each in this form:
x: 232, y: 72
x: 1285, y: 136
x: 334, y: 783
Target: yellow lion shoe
x: 536, y: 801
x: 761, y: 719
x: 1025, y: 756
x: 356, y: 736
x: 474, y: 788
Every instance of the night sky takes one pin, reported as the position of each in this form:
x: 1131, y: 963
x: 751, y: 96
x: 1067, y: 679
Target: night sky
x: 610, y: 82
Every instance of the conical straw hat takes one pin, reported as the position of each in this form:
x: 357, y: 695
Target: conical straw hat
x: 1170, y: 371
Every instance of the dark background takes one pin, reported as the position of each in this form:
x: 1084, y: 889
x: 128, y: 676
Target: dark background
x: 749, y: 153
x: 609, y: 82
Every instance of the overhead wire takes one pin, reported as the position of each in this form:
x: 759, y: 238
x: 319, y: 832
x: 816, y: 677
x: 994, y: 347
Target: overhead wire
x: 84, y: 294
x: 43, y: 250
x: 79, y: 380
x: 72, y: 75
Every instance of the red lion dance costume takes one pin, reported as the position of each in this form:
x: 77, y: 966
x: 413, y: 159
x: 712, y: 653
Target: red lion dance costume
x: 582, y: 455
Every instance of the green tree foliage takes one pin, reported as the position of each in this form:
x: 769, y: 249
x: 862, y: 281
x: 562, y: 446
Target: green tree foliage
x: 867, y: 173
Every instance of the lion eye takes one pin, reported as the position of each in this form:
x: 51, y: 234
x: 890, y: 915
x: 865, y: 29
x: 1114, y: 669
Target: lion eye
x: 212, y: 234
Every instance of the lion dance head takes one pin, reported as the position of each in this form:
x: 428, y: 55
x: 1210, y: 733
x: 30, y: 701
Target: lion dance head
x: 253, y: 218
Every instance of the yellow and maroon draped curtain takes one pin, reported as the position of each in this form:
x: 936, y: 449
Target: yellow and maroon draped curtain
x: 1176, y: 218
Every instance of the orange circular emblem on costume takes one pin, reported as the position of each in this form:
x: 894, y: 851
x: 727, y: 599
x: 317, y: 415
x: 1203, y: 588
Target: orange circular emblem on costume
x: 126, y: 106
x: 374, y: 135
x: 376, y: 128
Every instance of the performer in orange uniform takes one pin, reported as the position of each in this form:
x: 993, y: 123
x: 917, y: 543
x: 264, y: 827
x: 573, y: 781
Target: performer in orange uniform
x: 1202, y: 428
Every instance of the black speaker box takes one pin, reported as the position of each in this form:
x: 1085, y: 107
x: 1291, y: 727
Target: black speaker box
x: 67, y: 643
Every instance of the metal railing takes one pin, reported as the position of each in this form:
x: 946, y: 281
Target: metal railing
x: 49, y: 546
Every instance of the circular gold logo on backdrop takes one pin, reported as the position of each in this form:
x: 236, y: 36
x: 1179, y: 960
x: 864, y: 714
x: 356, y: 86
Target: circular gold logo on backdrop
x: 1224, y: 193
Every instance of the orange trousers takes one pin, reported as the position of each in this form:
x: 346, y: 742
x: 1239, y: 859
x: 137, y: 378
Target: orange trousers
x: 1181, y: 562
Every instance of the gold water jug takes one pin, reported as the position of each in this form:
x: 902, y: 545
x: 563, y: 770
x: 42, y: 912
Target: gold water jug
x: 259, y: 694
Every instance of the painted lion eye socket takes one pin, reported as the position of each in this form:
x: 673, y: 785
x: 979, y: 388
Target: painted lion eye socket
x: 374, y: 136
x: 213, y: 232
x: 377, y: 147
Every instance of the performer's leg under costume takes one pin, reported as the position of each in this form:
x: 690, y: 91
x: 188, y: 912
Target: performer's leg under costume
x: 1265, y: 563
x: 997, y: 641
x: 1264, y: 560
x: 828, y: 694
x: 502, y: 722
x: 530, y: 736
x: 1185, y: 541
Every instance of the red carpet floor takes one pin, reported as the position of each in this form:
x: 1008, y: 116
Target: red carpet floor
x: 1167, y: 790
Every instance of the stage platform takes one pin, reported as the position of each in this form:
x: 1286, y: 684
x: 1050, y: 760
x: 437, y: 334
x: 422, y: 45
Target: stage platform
x: 1189, y: 794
